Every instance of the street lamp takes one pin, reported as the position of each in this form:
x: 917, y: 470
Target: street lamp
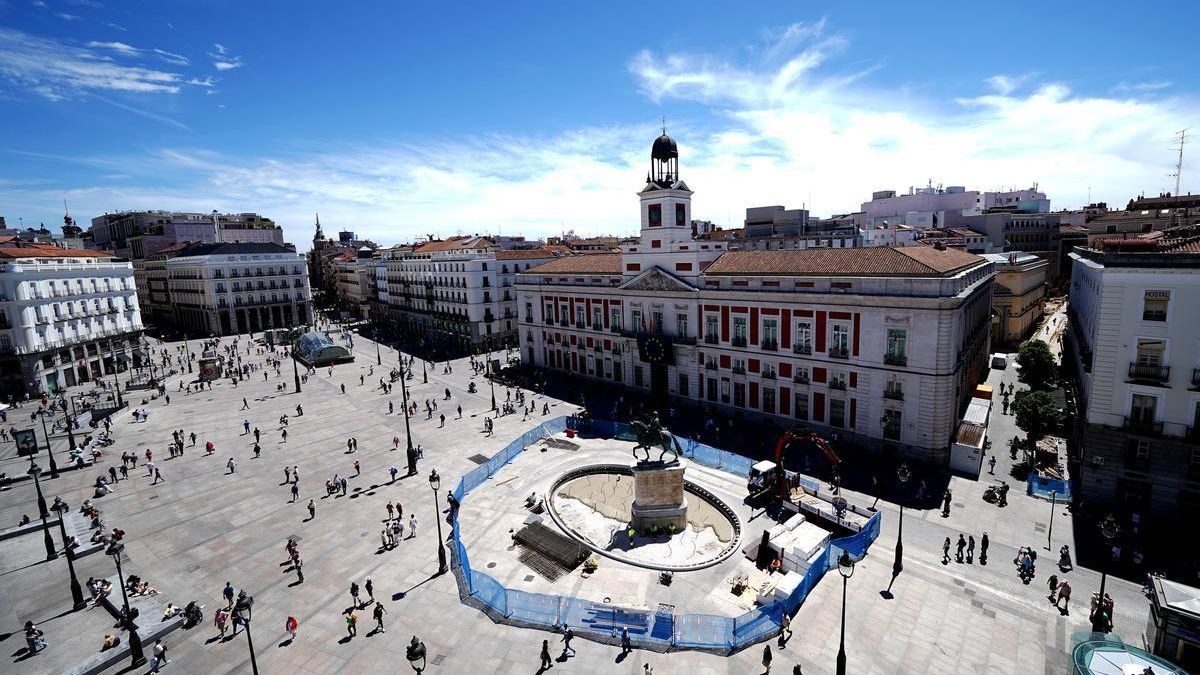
x: 36, y: 471
x: 1109, y: 529
x: 243, y: 610
x: 187, y: 354
x: 412, y: 466
x: 135, y: 643
x: 491, y: 383
x: 435, y: 482
x: 424, y: 375
x: 415, y: 653
x: 76, y: 591
x: 295, y: 369
x: 846, y: 569
x: 903, y: 474
x: 49, y: 451
x: 378, y: 357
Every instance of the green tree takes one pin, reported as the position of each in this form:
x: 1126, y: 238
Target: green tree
x: 1037, y: 363
x: 1036, y: 413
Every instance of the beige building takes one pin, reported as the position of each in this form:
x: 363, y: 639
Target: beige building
x: 1017, y: 299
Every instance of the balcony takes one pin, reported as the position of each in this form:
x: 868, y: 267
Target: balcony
x: 580, y: 325
x: 805, y: 348
x: 738, y: 341
x: 839, y: 352
x: 739, y: 370
x: 800, y: 378
x: 710, y: 365
x: 1149, y: 372
x: 894, y: 393
x: 839, y: 385
x: 1141, y: 425
x: 684, y: 339
x: 597, y: 327
x: 895, y: 359
x: 768, y: 374
x: 711, y: 339
x: 769, y: 345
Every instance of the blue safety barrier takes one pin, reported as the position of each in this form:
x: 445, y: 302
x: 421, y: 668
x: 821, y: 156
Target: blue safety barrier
x: 661, y: 629
x: 1042, y: 486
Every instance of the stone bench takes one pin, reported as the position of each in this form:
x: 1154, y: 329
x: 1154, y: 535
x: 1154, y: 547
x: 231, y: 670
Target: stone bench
x: 80, y: 527
x: 150, y: 628
x: 32, y: 526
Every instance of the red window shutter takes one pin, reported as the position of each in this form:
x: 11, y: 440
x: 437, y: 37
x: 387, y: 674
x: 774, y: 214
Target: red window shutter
x: 754, y: 365
x: 818, y: 375
x: 853, y: 380
x: 753, y: 394
x: 854, y: 338
x: 785, y: 399
x: 785, y: 330
x: 725, y: 361
x: 753, y: 325
x: 820, y: 331
x: 785, y: 370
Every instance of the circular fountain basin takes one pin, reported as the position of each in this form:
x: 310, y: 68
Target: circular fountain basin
x: 593, y: 504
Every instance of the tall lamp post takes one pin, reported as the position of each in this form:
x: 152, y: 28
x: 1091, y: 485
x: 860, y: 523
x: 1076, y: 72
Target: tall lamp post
x: 49, y: 451
x: 187, y: 354
x: 415, y: 653
x: 846, y: 569
x: 116, y: 382
x: 435, y: 482
x: 135, y: 643
x: 378, y: 356
x: 36, y: 471
x: 1109, y: 529
x: 404, y: 402
x: 424, y: 375
x: 76, y: 590
x: 903, y: 474
x: 295, y: 369
x: 491, y: 382
x: 243, y: 609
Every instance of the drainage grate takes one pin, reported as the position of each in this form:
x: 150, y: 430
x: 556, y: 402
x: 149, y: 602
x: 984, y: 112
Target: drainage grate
x: 437, y: 660
x: 478, y: 459
x: 560, y: 444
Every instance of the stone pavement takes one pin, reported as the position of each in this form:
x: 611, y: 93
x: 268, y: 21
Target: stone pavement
x: 203, y: 526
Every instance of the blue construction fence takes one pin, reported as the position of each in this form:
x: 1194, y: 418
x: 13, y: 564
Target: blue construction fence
x: 1048, y: 488
x: 659, y: 630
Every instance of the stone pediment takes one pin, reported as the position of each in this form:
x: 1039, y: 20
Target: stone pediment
x: 657, y: 279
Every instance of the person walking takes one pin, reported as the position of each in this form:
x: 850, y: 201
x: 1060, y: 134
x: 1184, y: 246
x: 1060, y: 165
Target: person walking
x: 351, y: 617
x: 1052, y: 583
x: 283, y: 436
x: 349, y: 446
x: 257, y: 434
x: 547, y: 662
x: 289, y: 627
x: 970, y: 548
x: 962, y: 544
x: 946, y: 551
x: 626, y: 647
x: 245, y: 405
x: 228, y: 593
x: 412, y: 525
x: 390, y: 510
x: 370, y: 589
x: 245, y: 427
x: 992, y: 465
x: 946, y: 503
x: 159, y: 658
x: 295, y: 492
x: 158, y: 477
x: 378, y: 613
x: 231, y: 466
x: 354, y: 593
x: 287, y: 474
x: 299, y: 571
x: 221, y: 621
x: 766, y: 660
x: 983, y: 547
x: 295, y: 474
x: 312, y: 509
x: 1064, y: 595
x: 34, y: 638
x: 357, y: 468
x: 568, y: 635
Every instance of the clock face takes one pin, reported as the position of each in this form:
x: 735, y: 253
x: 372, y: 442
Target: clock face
x: 655, y: 215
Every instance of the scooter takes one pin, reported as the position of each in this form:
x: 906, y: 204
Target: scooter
x: 992, y: 494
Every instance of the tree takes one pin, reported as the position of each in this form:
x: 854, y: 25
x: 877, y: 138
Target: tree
x: 1036, y: 413
x: 1037, y: 363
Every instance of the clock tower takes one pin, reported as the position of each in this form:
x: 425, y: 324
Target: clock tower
x: 666, y: 200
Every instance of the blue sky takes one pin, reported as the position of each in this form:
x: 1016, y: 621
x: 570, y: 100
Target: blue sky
x: 403, y: 119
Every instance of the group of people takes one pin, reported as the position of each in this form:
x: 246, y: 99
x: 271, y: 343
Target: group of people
x: 965, y: 549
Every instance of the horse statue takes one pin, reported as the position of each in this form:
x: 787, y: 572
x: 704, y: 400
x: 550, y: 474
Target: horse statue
x: 651, y: 434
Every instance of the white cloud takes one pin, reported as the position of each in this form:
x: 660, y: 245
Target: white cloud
x: 172, y: 58
x: 220, y: 48
x: 57, y: 71
x: 119, y: 47
x: 222, y: 59
x: 67, y: 17
x: 39, y: 3
x: 117, y: 27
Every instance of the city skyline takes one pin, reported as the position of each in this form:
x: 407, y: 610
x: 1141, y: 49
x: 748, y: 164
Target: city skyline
x: 181, y: 108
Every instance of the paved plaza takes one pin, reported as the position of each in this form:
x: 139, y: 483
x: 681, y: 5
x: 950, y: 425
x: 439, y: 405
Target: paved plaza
x: 204, y: 526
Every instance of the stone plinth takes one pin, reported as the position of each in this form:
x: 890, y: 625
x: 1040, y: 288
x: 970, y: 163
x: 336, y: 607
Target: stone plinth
x: 658, y: 497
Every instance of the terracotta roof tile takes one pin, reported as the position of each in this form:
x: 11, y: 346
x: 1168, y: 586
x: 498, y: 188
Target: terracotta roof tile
x: 525, y: 254
x: 50, y: 252
x: 454, y: 244
x: 906, y: 261
x: 600, y: 263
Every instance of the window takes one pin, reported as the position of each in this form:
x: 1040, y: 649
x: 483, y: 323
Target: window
x: 1150, y: 352
x: 683, y: 385
x: 637, y: 320
x: 840, y: 346
x: 770, y: 334
x: 803, y: 344
x: 739, y: 366
x: 656, y: 321
x: 1137, y: 454
x: 724, y: 391
x: 711, y: 335
x: 739, y: 394
x: 578, y: 317
x: 837, y: 413
x: 896, y: 343
x: 597, y: 318
x: 739, y: 332
x: 712, y: 389
x: 1154, y: 305
x: 614, y: 319
x: 637, y: 376
x: 768, y: 400
x: 837, y: 381
x: 485, y: 267
x: 891, y: 424
x: 801, y: 405
x: 681, y: 324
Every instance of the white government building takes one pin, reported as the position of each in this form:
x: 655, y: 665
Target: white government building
x: 67, y: 316
x: 883, y: 346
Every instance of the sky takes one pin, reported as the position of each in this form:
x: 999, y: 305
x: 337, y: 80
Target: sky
x: 402, y: 120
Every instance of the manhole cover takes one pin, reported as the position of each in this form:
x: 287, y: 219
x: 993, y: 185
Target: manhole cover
x: 1039, y: 527
x: 478, y: 459
x: 491, y: 565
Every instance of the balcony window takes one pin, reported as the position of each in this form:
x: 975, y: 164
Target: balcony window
x: 891, y: 424
x: 739, y: 394
x: 770, y: 339
x: 801, y: 376
x: 739, y: 366
x: 837, y: 413
x: 800, y: 405
x: 739, y: 332
x: 837, y: 381
x: 597, y: 318
x: 840, y: 344
x: 1137, y: 454
x: 896, y: 354
x: 656, y: 321
x: 681, y: 325
x: 711, y: 334
x: 1154, y: 305
x: 803, y: 343
x: 614, y: 319
x: 1143, y: 411
x: 768, y: 400
x: 711, y: 390
x: 894, y: 390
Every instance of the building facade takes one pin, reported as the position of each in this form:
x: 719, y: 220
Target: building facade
x: 820, y: 336
x: 67, y: 316
x: 227, y: 289
x: 1134, y: 346
x: 1018, y: 295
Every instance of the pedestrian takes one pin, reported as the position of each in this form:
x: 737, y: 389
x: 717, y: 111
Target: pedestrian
x: 257, y: 450
x: 992, y: 465
x: 245, y: 427
x: 766, y: 661
x: 289, y: 626
x: 626, y: 647
x: 158, y: 477
x: 1052, y: 583
x: 412, y: 525
x: 295, y: 491
x: 228, y: 593
x: 299, y: 571
x: 983, y: 546
x: 231, y: 465
x: 393, y: 470
x: 355, y: 441
x: 312, y: 509
x: 354, y: 592
x: 257, y: 434
x: 370, y: 589
x: 351, y: 617
x: 1064, y: 594
x: 283, y: 436
x: 245, y: 405
x: 568, y: 635
x: 970, y: 548
x: 547, y: 662
x: 391, y: 407
x: 378, y: 614
x: 124, y: 471
x: 287, y: 474
x: 343, y: 388
x: 962, y: 544
x: 357, y: 468
x: 946, y: 504
x: 349, y: 446
x: 220, y: 620
x: 159, y: 658
x: 34, y: 638
x: 946, y: 551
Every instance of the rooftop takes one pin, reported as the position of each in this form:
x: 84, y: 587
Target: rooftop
x: 525, y: 254
x: 454, y: 244
x: 599, y: 263
x: 232, y: 248
x: 908, y: 261
x: 42, y: 251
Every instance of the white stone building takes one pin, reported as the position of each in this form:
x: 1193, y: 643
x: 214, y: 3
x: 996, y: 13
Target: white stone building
x: 226, y: 289
x: 882, y: 346
x: 67, y: 316
x: 1134, y: 346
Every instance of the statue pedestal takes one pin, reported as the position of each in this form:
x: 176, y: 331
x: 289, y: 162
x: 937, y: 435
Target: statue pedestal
x: 658, y: 497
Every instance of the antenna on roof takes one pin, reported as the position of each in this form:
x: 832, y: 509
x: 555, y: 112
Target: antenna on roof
x: 1181, y: 138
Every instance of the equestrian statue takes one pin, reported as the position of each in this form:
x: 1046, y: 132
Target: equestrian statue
x: 650, y: 434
